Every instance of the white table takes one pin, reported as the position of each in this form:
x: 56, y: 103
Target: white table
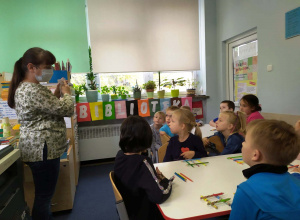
x: 207, y: 130
x: 219, y: 175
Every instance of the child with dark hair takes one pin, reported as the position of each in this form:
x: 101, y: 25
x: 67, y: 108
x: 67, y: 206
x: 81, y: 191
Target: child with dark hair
x: 270, y: 191
x: 141, y: 186
x: 249, y: 104
x: 225, y: 105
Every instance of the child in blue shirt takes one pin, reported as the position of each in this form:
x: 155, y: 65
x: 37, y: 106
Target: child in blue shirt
x: 229, y: 127
x: 225, y: 105
x: 184, y: 145
x: 270, y: 191
x: 165, y: 130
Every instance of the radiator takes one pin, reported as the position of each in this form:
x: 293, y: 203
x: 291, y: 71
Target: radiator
x: 98, y: 142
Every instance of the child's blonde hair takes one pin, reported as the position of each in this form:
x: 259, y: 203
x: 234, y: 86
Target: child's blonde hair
x: 162, y: 114
x: 277, y: 140
x: 185, y: 107
x: 187, y: 117
x: 238, y: 120
x: 172, y: 108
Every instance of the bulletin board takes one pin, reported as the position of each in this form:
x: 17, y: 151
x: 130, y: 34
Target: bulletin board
x: 245, y: 77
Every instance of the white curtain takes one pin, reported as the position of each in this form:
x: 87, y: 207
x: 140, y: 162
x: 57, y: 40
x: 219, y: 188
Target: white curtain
x: 144, y: 35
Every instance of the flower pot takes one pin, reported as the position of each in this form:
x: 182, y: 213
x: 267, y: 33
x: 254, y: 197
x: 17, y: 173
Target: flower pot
x: 91, y: 95
x: 105, y: 97
x: 150, y: 93
x: 113, y: 97
x: 77, y: 98
x: 137, y: 95
x: 190, y: 92
x: 161, y: 94
x: 123, y: 96
x: 175, y: 93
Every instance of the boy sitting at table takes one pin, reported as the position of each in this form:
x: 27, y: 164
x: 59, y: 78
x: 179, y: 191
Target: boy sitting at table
x: 270, y: 191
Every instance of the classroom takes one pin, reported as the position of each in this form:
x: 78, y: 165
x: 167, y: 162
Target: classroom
x: 139, y: 57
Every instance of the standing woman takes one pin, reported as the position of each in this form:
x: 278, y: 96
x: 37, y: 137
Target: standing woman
x: 43, y: 129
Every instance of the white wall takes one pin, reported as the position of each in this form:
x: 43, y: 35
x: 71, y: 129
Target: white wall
x: 279, y: 90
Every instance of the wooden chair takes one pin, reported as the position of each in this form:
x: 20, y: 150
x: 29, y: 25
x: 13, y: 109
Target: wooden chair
x: 162, y: 152
x: 218, y: 143
x: 120, y: 205
x: 164, y: 139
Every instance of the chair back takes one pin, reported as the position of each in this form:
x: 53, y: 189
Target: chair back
x: 164, y: 139
x: 120, y: 205
x: 162, y: 152
x: 218, y: 143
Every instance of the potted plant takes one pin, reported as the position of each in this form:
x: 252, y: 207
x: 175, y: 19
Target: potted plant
x: 172, y: 84
x: 149, y: 87
x: 79, y: 89
x: 160, y: 93
x: 122, y: 92
x: 191, y: 87
x: 137, y: 92
x: 92, y: 91
x: 113, y: 89
x: 105, y: 93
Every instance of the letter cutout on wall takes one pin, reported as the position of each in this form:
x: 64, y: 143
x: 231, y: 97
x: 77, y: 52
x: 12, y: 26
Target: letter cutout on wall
x: 108, y: 110
x: 143, y: 106
x: 154, y: 106
x: 132, y: 108
x: 83, y: 112
x: 187, y: 101
x: 176, y: 102
x: 198, y: 109
x: 96, y: 110
x: 120, y: 109
x: 164, y: 104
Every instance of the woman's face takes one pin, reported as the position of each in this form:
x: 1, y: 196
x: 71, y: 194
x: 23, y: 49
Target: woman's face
x: 245, y: 107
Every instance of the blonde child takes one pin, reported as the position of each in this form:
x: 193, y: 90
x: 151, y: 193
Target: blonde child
x: 184, y: 145
x: 158, y: 121
x: 225, y: 105
x: 229, y: 125
x: 141, y: 186
x: 249, y: 104
x: 198, y: 121
x: 270, y: 191
x: 165, y: 130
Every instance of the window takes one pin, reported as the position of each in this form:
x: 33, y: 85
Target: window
x: 128, y: 80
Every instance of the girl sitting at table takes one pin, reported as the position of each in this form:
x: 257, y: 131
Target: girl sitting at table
x: 141, y: 186
x: 229, y: 127
x: 184, y: 145
x: 249, y: 104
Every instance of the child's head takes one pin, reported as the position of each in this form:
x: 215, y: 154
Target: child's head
x: 297, y: 127
x: 159, y: 118
x: 184, y: 120
x: 230, y: 121
x: 169, y: 113
x: 249, y: 103
x: 227, y: 105
x: 270, y: 141
x: 136, y: 135
x: 185, y: 107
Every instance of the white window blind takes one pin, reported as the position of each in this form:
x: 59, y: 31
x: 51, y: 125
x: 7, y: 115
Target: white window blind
x: 144, y: 35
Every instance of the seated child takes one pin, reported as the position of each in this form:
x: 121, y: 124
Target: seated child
x: 225, y: 105
x: 158, y: 121
x: 165, y: 130
x: 249, y: 104
x: 270, y: 191
x: 184, y: 145
x: 229, y: 125
x: 141, y: 186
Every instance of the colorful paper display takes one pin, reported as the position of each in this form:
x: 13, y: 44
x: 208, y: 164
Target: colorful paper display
x: 122, y: 109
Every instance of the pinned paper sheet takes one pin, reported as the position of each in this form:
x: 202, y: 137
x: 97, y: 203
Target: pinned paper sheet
x: 164, y: 104
x: 176, y: 102
x: 187, y: 101
x: 154, y: 106
x: 83, y: 110
x: 108, y: 110
x: 120, y: 109
x: 143, y: 106
x: 132, y: 107
x: 96, y: 110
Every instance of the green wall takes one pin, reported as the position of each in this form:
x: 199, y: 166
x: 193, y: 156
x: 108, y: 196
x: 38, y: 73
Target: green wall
x: 57, y: 25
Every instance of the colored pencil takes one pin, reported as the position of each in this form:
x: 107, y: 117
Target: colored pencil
x: 186, y: 177
x: 234, y: 157
x: 195, y: 163
x: 180, y: 177
x: 293, y: 166
x: 218, y: 194
x: 238, y: 159
x: 189, y: 164
x: 201, y: 162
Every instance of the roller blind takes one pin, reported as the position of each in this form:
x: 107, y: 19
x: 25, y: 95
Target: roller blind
x: 144, y: 35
